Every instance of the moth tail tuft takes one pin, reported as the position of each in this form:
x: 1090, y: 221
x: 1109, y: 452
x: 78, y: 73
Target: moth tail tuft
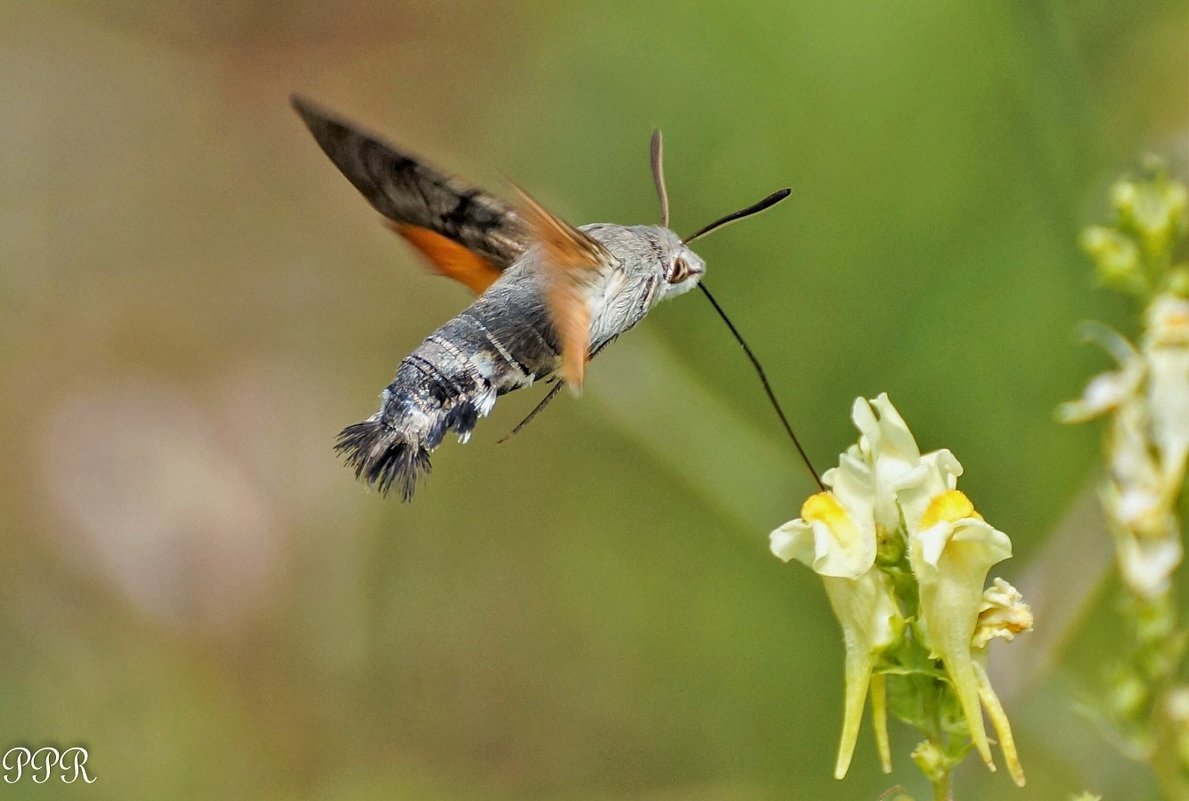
x: 383, y: 456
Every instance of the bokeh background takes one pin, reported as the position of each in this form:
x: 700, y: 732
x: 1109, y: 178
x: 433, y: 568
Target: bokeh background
x: 193, y: 302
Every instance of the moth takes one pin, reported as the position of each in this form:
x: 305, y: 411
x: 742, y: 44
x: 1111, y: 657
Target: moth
x: 550, y: 295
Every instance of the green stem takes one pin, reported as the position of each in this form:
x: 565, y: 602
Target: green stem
x: 1158, y: 657
x: 941, y: 787
x: 932, y: 756
x: 1165, y: 756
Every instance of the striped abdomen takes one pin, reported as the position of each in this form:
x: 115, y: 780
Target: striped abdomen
x: 502, y: 342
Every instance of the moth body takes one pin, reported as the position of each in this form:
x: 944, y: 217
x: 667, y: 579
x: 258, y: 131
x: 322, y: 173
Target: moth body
x: 503, y: 341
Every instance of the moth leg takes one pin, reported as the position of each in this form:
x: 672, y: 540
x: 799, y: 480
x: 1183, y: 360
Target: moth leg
x: 545, y: 401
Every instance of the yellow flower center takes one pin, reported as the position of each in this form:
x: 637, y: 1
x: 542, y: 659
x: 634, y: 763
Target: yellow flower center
x: 822, y: 508
x: 950, y: 507
x: 825, y: 508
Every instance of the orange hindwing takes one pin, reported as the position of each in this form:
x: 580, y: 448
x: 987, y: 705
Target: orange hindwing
x: 449, y: 258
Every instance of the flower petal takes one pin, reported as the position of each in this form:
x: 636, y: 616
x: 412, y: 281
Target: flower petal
x: 1167, y: 353
x: 888, y: 446
x: 844, y: 546
x: 1007, y: 743
x: 866, y: 610
x: 793, y: 540
x: 937, y: 474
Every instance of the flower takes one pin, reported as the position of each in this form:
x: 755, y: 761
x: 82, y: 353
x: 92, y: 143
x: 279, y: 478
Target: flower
x: 1003, y: 613
x: 951, y: 549
x: 1146, y: 447
x: 835, y: 536
x: 885, y: 491
x: 1147, y: 442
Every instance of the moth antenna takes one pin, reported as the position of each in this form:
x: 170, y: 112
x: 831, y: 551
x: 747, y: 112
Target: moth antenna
x: 760, y: 370
x: 658, y: 174
x: 545, y: 401
x: 735, y: 216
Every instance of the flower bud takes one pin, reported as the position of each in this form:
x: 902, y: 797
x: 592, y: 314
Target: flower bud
x: 1116, y: 257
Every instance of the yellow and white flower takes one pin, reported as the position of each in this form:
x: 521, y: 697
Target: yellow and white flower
x: 951, y: 549
x: 835, y: 536
x: 1147, y: 444
x: 884, y: 488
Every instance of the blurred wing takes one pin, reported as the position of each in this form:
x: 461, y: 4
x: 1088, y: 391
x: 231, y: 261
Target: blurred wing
x: 449, y: 258
x: 572, y: 263
x: 466, y: 233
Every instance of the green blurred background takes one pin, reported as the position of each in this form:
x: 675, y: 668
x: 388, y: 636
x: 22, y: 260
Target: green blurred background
x: 193, y: 302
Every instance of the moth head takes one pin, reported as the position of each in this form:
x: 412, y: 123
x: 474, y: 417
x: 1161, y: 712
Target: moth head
x: 680, y: 269
x: 650, y: 261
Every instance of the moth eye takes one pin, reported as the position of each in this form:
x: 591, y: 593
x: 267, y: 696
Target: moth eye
x: 678, y: 271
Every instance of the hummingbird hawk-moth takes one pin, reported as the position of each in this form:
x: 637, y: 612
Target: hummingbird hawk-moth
x: 550, y: 295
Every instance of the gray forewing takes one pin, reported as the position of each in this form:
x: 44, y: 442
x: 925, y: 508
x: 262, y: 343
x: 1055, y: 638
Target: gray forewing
x: 405, y: 190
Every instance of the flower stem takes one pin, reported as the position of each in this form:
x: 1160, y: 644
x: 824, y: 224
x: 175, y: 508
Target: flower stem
x: 931, y: 755
x: 941, y: 787
x: 1157, y: 659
